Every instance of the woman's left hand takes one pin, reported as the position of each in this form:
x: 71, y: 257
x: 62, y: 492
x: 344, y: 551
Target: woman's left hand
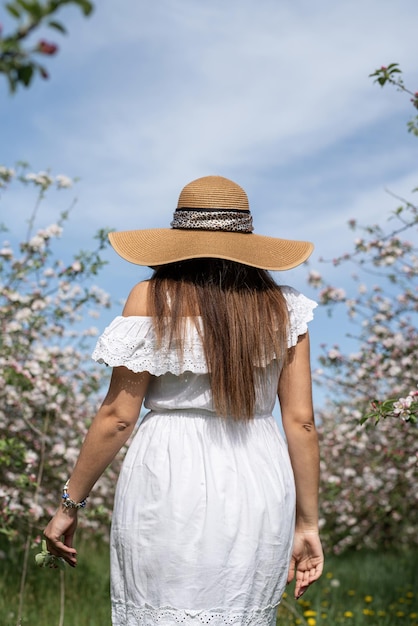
x: 307, y: 560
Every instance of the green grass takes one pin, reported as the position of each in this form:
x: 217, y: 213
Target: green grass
x: 86, y: 590
x: 360, y: 589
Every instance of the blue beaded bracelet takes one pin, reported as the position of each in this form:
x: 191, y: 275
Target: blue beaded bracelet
x: 68, y: 503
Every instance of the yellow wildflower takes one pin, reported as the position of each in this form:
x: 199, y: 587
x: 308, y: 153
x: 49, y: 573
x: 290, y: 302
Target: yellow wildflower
x: 309, y: 613
x: 348, y: 614
x: 368, y: 612
x: 368, y: 599
x: 311, y: 621
x: 304, y: 603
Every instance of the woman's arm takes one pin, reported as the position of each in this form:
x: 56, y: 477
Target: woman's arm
x: 295, y: 397
x: 109, y: 431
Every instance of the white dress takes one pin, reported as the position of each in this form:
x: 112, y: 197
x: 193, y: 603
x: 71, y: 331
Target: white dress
x: 203, y: 518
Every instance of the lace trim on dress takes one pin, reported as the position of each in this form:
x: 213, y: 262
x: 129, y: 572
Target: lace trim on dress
x: 128, y: 615
x: 300, y: 313
x: 130, y: 341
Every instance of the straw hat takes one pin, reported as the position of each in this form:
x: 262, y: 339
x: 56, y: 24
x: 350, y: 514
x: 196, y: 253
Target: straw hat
x: 212, y: 220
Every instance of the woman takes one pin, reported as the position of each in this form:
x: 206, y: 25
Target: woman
x: 213, y: 512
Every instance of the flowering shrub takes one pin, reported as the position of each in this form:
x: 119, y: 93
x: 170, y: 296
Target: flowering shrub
x: 384, y: 316
x: 368, y: 428
x: 369, y: 482
x: 47, y: 387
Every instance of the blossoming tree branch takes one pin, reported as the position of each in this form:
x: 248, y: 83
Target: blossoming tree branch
x: 19, y: 52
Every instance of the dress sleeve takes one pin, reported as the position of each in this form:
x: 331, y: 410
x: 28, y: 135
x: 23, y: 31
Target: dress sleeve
x: 300, y: 313
x: 131, y: 342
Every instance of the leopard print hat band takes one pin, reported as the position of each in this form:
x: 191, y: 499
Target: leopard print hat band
x: 228, y: 220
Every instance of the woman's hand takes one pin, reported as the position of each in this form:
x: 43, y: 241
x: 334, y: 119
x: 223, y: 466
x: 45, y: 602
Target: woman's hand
x: 59, y: 535
x: 307, y: 560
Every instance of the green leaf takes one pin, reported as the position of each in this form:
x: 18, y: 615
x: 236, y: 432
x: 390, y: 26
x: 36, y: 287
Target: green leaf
x: 85, y: 5
x: 58, y: 26
x: 12, y: 82
x: 25, y: 74
x: 13, y: 10
x: 45, y: 559
x: 33, y: 8
x: 413, y: 127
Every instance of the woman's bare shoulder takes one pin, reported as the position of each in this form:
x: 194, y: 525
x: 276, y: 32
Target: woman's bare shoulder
x: 137, y: 302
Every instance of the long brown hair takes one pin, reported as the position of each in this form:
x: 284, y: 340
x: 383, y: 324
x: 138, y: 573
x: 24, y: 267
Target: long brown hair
x: 244, y: 323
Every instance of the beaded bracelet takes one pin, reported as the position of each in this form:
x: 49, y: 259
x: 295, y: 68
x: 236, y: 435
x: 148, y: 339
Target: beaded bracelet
x: 71, y: 504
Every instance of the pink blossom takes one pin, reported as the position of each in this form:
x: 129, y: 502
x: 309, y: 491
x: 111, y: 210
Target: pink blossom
x: 6, y: 252
x: 45, y: 47
x: 402, y: 406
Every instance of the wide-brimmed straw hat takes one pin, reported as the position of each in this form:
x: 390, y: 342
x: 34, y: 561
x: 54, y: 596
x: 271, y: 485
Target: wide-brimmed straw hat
x: 212, y: 220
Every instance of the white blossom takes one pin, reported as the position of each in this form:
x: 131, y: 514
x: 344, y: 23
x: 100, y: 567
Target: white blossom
x: 13, y: 327
x: 38, y: 305
x: 53, y: 230
x: 7, y: 172
x: 37, y: 243
x: 6, y: 252
x: 334, y: 354
x: 42, y: 179
x: 63, y: 181
x: 23, y: 315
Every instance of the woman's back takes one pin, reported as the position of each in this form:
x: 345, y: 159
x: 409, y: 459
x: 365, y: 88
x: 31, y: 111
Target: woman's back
x: 204, y: 511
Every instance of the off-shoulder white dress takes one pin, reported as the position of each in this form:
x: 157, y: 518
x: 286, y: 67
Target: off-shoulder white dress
x: 204, y: 509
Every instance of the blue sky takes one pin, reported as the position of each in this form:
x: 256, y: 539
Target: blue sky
x: 145, y: 97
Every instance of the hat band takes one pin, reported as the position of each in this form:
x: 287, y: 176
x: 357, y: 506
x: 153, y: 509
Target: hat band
x: 228, y: 220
